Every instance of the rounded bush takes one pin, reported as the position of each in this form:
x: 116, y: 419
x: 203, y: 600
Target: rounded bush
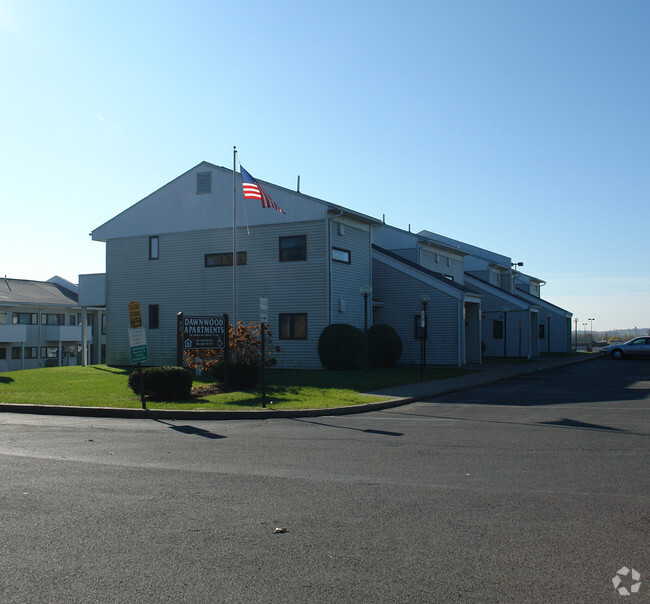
x: 384, y: 346
x: 342, y: 346
x: 163, y: 382
x: 242, y: 376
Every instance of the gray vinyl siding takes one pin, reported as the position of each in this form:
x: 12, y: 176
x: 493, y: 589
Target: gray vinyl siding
x: 442, y: 263
x: 400, y: 295
x: 179, y: 281
x: 347, y: 279
x: 472, y: 333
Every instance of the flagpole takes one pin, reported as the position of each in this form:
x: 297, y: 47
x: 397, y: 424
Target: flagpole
x: 234, y: 240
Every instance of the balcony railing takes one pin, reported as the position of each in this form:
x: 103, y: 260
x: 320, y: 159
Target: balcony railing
x: 66, y: 333
x: 13, y: 333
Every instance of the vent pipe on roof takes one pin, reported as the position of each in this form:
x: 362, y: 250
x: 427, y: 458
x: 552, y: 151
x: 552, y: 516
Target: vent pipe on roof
x: 7, y: 283
x: 298, y: 185
x: 383, y: 218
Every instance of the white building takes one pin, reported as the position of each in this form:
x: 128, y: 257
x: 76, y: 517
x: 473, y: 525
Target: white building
x: 42, y: 325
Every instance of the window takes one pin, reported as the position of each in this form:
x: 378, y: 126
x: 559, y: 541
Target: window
x: 49, y: 319
x: 24, y: 318
x: 293, y: 326
x: 418, y: 329
x: 3, y: 318
x: 293, y: 248
x: 154, y: 247
x: 339, y: 255
x: 203, y: 183
x: 224, y: 259
x: 154, y: 321
x: 3, y: 354
x: 103, y: 318
x: 497, y: 329
x: 49, y: 352
x: 31, y: 352
x: 541, y: 331
x: 16, y: 353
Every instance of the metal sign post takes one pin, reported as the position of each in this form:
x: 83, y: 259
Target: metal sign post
x: 138, y: 344
x: 264, y: 319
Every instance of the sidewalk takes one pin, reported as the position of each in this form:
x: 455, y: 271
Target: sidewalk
x: 396, y: 396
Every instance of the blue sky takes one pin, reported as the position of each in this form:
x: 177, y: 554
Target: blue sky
x: 519, y: 126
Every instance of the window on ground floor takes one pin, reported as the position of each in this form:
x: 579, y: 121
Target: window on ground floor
x: 31, y: 352
x: 497, y: 329
x: 3, y: 354
x: 542, y: 331
x: 293, y: 326
x: 154, y: 316
x: 49, y: 352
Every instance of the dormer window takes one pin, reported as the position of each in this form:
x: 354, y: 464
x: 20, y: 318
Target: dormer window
x: 203, y: 182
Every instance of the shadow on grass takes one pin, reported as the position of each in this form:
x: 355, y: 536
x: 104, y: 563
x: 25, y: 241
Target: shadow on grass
x: 116, y: 370
x: 5, y: 379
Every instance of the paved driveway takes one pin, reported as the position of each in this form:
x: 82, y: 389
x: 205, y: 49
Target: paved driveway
x: 530, y: 490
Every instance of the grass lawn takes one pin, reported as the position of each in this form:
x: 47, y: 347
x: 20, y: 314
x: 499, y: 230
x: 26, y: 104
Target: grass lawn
x: 103, y: 386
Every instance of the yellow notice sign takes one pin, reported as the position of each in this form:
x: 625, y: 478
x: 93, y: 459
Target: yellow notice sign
x: 135, y: 316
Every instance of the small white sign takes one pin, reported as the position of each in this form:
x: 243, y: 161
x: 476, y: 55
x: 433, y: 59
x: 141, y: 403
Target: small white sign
x: 137, y: 337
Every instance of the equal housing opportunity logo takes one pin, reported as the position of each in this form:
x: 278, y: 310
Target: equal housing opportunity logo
x: 627, y: 581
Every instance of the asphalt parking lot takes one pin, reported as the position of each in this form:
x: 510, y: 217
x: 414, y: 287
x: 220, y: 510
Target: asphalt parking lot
x: 533, y: 489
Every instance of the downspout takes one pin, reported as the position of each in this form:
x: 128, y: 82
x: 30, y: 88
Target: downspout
x: 329, y: 266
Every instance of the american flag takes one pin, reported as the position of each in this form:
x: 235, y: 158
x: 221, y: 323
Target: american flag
x: 253, y: 190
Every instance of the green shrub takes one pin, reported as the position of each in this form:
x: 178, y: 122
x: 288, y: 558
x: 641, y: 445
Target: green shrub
x: 241, y: 376
x: 163, y: 382
x: 384, y: 346
x: 342, y: 346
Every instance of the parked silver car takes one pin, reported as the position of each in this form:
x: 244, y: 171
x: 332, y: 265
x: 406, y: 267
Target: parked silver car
x: 636, y: 347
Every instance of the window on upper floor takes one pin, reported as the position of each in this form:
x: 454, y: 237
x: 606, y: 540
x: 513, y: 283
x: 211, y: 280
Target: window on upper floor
x: 293, y: 326
x: 154, y: 247
x: 293, y: 248
x: 224, y: 259
x: 203, y: 183
x: 52, y: 319
x: 341, y: 255
x: 3, y: 318
x: 24, y: 318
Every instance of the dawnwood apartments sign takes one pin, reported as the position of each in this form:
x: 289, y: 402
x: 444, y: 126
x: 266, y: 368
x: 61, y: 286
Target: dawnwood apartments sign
x: 200, y: 333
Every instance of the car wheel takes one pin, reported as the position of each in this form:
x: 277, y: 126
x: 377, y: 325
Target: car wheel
x: 617, y: 353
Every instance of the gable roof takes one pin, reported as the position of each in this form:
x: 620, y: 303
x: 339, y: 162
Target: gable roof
x: 177, y: 207
x: 443, y: 282
x: 23, y: 291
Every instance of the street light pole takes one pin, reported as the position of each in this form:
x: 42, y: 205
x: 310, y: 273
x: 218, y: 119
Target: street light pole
x: 423, y: 333
x: 591, y: 333
x: 575, y: 323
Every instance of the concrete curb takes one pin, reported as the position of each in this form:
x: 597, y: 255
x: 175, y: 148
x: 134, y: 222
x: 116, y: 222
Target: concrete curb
x: 425, y: 390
